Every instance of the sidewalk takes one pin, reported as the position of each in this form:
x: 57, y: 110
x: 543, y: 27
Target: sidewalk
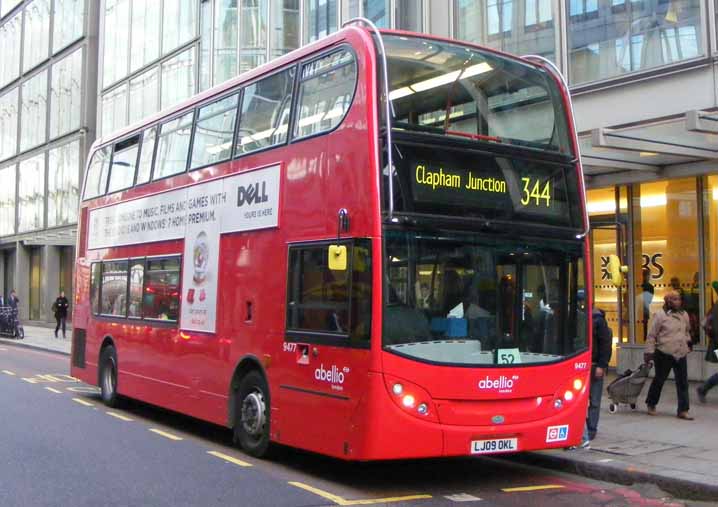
x: 42, y: 338
x: 679, y: 456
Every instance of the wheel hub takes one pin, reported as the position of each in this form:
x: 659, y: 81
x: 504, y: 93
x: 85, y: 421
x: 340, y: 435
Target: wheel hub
x: 253, y: 413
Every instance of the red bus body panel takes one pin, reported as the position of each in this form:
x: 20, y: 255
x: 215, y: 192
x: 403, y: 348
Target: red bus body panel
x: 192, y: 372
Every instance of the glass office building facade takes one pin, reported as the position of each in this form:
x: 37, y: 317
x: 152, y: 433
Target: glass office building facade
x: 48, y: 67
x: 642, y: 76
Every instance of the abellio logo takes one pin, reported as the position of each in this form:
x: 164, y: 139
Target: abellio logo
x: 502, y: 383
x: 333, y: 375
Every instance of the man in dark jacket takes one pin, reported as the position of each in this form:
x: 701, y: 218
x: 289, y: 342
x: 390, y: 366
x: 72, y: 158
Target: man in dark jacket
x: 60, y: 308
x: 600, y: 356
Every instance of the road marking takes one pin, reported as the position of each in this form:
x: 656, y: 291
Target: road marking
x: 532, y: 488
x: 3, y: 349
x: 463, y: 497
x: 119, y: 416
x: 53, y: 390
x: 8, y: 372
x: 90, y: 390
x: 605, y: 460
x: 30, y: 380
x: 165, y: 434
x: 83, y: 402
x: 342, y: 501
x: 230, y: 459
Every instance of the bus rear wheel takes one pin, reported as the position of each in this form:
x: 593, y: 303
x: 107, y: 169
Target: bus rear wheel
x: 251, y: 415
x: 108, y: 376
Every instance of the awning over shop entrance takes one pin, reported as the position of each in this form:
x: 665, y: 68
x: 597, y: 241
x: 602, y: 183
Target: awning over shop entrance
x: 682, y: 146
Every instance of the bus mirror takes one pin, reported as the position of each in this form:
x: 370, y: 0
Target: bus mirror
x: 338, y: 257
x: 616, y: 270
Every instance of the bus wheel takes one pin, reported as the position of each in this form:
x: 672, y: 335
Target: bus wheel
x: 251, y: 426
x: 108, y: 376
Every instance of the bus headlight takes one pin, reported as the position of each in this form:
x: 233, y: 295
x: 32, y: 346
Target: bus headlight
x: 411, y: 398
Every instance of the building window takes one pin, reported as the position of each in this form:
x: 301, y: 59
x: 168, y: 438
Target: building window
x: 264, y: 119
x: 69, y: 23
x: 66, y: 95
x: 144, y: 94
x: 253, y: 34
x: 114, y: 109
x: 116, y: 42
x: 31, y: 194
x: 226, y: 40
x: 377, y: 11
x: 7, y: 200
x: 179, y: 23
x: 145, y: 39
x: 178, y: 78
x: 8, y: 123
x: 10, y: 38
x: 214, y: 132
x: 63, y: 185
x: 37, y: 33
x: 285, y: 27
x: 497, y: 24
x: 621, y: 37
x: 8, y: 5
x: 320, y: 18
x: 409, y: 15
x: 173, y: 146
x: 33, y: 115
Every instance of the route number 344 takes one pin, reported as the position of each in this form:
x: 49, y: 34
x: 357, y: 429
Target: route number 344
x: 533, y: 192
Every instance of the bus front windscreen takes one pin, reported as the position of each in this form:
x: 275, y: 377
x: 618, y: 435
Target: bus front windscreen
x: 478, y: 300
x: 448, y: 89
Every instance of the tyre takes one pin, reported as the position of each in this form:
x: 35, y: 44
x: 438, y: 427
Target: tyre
x: 251, y: 415
x: 108, y: 376
x: 612, y: 408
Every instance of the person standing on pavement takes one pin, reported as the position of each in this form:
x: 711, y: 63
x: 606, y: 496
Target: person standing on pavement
x: 13, y: 300
x: 600, y: 356
x: 668, y: 345
x: 710, y: 325
x: 60, y: 308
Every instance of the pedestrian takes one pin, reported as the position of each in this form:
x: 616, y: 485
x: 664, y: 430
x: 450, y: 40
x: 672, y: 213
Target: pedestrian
x: 2, y: 300
x: 13, y: 300
x: 59, y: 307
x: 668, y: 344
x: 710, y: 325
x: 600, y: 356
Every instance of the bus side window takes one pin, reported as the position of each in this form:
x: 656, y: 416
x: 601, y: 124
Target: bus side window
x: 113, y: 297
x: 214, y: 131
x: 147, y: 151
x: 264, y: 120
x: 173, y: 146
x: 137, y: 276
x: 161, y: 293
x: 95, y: 272
x: 96, y: 178
x: 124, y: 161
x: 325, y: 93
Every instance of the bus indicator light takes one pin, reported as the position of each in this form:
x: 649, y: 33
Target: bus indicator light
x: 568, y: 395
x: 577, y: 384
x: 408, y: 401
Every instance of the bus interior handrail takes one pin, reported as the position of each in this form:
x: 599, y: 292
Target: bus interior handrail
x: 556, y: 72
x: 388, y: 113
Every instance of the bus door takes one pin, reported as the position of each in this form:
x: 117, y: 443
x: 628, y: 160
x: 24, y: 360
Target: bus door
x: 608, y: 237
x: 325, y: 357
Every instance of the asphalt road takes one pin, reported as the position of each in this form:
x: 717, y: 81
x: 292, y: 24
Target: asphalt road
x: 60, y: 446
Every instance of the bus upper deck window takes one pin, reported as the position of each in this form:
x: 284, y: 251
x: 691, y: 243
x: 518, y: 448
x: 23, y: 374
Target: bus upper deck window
x: 97, y: 173
x: 325, y: 93
x: 124, y: 161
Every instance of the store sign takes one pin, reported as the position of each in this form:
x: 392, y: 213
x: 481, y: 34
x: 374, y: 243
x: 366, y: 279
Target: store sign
x: 199, y: 214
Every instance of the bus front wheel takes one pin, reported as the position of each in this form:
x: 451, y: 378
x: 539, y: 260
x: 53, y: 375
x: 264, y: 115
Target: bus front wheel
x: 108, y: 376
x: 251, y: 424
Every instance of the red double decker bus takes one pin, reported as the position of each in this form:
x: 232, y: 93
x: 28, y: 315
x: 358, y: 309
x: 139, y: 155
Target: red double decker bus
x: 373, y: 247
